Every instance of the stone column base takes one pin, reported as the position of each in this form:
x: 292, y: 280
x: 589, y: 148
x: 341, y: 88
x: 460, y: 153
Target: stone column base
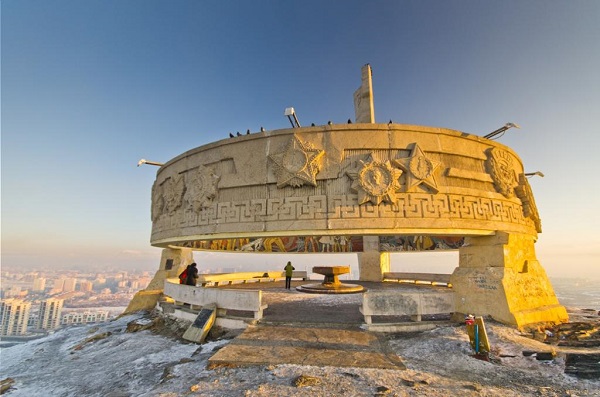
x: 143, y: 300
x: 172, y: 263
x: 499, y: 276
x: 372, y: 263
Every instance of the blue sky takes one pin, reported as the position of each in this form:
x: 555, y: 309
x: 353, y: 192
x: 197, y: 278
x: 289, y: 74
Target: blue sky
x: 90, y: 87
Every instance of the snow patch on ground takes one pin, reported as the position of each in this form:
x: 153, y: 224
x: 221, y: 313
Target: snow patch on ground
x: 439, y: 364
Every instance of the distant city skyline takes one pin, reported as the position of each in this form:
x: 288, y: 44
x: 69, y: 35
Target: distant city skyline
x: 89, y: 88
x: 38, y: 301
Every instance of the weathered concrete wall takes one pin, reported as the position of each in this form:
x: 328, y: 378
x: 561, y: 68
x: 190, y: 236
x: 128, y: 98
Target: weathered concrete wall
x: 499, y: 276
x: 394, y: 303
x: 350, y: 179
x: 247, y: 300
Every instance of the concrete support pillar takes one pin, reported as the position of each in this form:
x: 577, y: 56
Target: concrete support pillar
x: 500, y: 276
x: 372, y: 263
x: 172, y: 263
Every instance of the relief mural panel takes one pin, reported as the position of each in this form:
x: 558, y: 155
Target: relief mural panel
x: 320, y: 244
x: 371, y: 183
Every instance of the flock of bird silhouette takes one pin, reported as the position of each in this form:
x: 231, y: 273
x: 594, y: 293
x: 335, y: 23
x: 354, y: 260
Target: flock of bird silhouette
x: 263, y: 130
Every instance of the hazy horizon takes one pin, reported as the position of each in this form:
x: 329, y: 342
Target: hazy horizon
x: 420, y: 262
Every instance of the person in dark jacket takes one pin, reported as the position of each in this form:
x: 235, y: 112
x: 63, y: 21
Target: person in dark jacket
x: 192, y: 275
x: 288, y: 274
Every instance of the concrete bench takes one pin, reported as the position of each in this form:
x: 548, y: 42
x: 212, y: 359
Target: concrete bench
x: 414, y: 304
x: 418, y: 278
x: 225, y: 299
x: 216, y: 280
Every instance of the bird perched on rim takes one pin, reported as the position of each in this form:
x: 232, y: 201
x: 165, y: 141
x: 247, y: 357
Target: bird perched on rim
x: 248, y: 131
x: 231, y: 135
x: 238, y: 134
x: 312, y: 124
x: 390, y: 121
x: 262, y: 129
x: 329, y: 122
x: 349, y: 121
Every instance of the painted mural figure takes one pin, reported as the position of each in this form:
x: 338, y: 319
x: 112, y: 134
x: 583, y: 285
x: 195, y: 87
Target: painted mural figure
x: 311, y: 244
x: 326, y: 243
x: 269, y: 241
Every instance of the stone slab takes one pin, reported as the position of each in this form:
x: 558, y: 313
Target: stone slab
x: 406, y: 327
x: 266, y: 345
x: 204, y: 321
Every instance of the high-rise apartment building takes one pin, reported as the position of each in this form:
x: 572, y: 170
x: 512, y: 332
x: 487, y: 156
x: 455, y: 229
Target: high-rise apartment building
x: 85, y: 286
x: 50, y: 311
x: 57, y: 286
x: 14, y: 314
x: 143, y: 282
x: 69, y: 284
x: 14, y: 291
x: 29, y: 277
x: 33, y: 318
x: 39, y: 284
x: 84, y: 318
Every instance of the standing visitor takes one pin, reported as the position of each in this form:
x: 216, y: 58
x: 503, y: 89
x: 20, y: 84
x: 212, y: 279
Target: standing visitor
x: 288, y: 274
x: 192, y: 275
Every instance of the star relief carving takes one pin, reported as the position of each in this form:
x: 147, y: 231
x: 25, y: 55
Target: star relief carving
x: 173, y: 190
x: 297, y: 165
x: 418, y: 169
x: 201, y: 188
x: 375, y: 181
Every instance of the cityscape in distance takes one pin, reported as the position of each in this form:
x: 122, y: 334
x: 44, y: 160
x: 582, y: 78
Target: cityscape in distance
x: 35, y: 302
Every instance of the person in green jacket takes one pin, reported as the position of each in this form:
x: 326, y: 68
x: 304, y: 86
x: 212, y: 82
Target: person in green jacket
x: 288, y: 275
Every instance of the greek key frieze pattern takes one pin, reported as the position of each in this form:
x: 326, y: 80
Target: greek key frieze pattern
x: 318, y: 207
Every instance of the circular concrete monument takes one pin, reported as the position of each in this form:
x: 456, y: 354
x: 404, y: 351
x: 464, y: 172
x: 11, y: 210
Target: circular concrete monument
x: 323, y: 188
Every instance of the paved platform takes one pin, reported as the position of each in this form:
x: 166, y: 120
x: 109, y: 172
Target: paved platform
x: 318, y: 346
x: 295, y: 307
x: 313, y: 329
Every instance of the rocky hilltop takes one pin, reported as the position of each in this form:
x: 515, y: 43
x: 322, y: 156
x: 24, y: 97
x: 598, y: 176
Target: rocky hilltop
x: 144, y: 355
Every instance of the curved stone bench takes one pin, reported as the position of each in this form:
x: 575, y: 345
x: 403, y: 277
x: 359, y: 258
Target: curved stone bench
x: 414, y: 304
x: 245, y: 277
x: 417, y: 278
x: 225, y: 299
